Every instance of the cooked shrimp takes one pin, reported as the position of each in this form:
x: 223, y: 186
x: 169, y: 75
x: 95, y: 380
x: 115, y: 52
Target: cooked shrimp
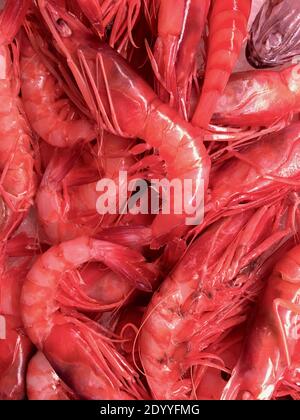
x: 127, y: 106
x: 227, y: 32
x: 273, y: 337
x: 42, y: 382
x: 89, y: 364
x: 261, y: 173
x: 208, y: 293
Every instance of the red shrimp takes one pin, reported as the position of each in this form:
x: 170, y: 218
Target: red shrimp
x: 11, y: 18
x: 270, y: 345
x: 227, y: 32
x: 89, y: 364
x: 17, y: 180
x: 263, y: 171
x: 50, y: 112
x: 127, y: 106
x: 42, y: 382
x: 208, y: 293
x: 260, y: 98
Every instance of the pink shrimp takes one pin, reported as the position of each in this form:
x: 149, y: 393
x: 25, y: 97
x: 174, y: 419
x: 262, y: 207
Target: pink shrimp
x: 127, y: 106
x: 260, y: 98
x: 11, y: 18
x: 50, y: 112
x: 227, y: 32
x: 17, y: 180
x: 273, y: 337
x: 207, y: 293
x: 89, y: 364
x: 42, y: 382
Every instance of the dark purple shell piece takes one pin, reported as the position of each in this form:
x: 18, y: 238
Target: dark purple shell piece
x: 275, y: 34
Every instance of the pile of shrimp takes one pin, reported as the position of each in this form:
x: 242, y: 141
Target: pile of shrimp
x: 133, y: 306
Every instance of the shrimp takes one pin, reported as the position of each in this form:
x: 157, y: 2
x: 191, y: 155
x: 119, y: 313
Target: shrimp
x: 89, y: 364
x: 11, y: 18
x: 128, y: 107
x: 260, y: 98
x: 50, y: 112
x: 207, y: 294
x: 17, y: 180
x: 227, y: 32
x: 264, y: 171
x: 270, y: 345
x: 42, y: 382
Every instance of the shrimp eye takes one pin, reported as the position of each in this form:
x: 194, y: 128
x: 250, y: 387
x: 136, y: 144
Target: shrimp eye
x: 63, y: 28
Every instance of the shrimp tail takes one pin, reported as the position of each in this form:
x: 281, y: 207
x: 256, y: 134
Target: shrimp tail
x: 11, y: 19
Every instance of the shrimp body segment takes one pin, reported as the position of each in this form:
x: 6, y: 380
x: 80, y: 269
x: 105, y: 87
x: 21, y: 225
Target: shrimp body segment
x: 197, y: 302
x: 42, y: 382
x: 227, y: 32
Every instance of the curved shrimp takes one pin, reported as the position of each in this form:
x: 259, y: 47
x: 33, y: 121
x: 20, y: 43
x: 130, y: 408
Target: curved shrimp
x: 50, y: 112
x: 273, y: 337
x: 17, y: 180
x: 42, y: 382
x: 208, y: 293
x: 127, y: 106
x: 89, y: 364
x: 260, y: 98
x: 227, y: 32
